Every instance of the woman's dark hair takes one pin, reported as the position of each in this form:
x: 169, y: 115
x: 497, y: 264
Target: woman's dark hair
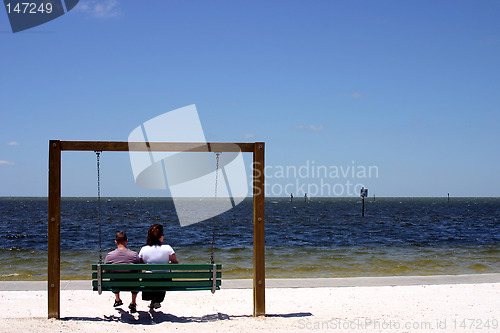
x: 154, y: 234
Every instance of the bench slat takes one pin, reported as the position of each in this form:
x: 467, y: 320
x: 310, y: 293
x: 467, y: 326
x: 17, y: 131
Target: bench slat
x: 166, y: 275
x: 186, y: 267
x: 149, y: 289
x: 159, y: 284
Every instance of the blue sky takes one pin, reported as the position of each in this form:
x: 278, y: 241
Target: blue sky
x: 408, y: 87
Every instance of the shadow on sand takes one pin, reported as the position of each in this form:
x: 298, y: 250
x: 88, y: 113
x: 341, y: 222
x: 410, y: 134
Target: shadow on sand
x: 154, y: 317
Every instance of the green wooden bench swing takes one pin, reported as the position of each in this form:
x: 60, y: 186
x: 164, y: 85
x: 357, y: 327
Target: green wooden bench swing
x: 155, y: 277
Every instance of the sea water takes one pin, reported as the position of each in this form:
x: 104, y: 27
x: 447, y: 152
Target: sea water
x: 323, y: 237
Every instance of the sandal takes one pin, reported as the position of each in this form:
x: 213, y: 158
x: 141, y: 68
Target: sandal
x: 133, y: 307
x: 118, y: 303
x: 154, y: 305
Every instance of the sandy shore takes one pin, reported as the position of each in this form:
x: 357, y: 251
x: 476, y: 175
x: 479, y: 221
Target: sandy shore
x: 394, y: 304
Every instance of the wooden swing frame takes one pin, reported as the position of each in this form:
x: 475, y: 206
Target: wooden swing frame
x: 54, y: 205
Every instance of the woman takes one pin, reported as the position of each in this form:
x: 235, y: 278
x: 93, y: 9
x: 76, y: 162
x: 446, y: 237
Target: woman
x: 156, y: 253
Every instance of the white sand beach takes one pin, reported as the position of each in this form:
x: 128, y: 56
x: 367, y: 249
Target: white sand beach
x: 394, y: 304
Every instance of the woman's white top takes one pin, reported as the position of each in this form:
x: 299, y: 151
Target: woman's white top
x: 156, y: 254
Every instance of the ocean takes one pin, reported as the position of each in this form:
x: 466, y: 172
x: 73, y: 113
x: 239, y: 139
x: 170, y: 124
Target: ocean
x: 323, y: 237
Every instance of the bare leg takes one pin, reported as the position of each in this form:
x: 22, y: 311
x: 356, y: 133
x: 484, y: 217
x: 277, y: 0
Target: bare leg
x: 133, y: 305
x: 118, y: 301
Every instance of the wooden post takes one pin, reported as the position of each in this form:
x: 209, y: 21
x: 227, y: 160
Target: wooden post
x: 363, y: 206
x: 259, y: 261
x: 54, y: 230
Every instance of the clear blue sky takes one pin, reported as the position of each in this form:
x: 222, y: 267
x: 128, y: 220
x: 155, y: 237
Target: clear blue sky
x: 409, y: 87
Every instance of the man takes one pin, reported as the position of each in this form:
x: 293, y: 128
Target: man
x: 122, y: 255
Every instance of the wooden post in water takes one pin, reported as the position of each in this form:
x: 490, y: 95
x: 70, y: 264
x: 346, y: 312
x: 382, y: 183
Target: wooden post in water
x: 54, y: 230
x: 363, y: 193
x: 448, y: 197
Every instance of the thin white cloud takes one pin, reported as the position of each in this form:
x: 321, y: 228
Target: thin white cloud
x: 13, y: 143
x: 100, y: 9
x: 356, y: 94
x: 248, y: 136
x: 313, y: 128
x: 3, y: 162
x: 316, y: 128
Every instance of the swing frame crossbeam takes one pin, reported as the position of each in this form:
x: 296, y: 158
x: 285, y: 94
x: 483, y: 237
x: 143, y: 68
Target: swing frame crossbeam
x: 54, y: 205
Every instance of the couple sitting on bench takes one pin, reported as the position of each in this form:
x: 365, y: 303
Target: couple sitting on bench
x: 153, y: 253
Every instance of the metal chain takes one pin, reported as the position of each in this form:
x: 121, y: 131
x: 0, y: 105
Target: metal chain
x: 98, y: 153
x: 217, y: 155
